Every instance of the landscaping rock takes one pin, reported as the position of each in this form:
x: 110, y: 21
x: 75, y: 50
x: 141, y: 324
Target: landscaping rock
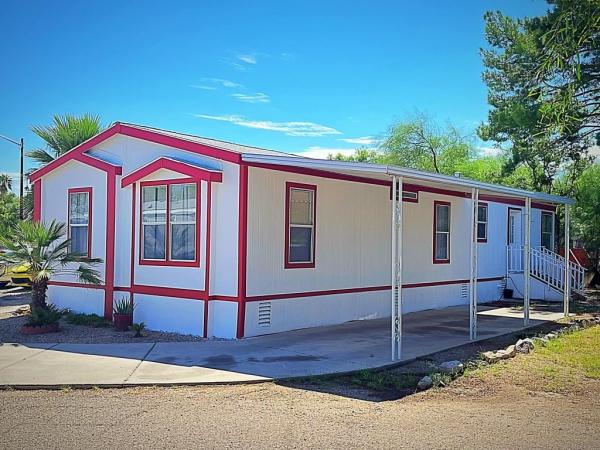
x: 489, y: 357
x: 502, y: 354
x: 425, y: 383
x: 511, y: 350
x: 524, y: 345
x: 452, y: 367
x: 551, y: 336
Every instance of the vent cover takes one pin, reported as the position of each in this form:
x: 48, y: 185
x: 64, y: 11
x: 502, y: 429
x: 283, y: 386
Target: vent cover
x: 264, y: 314
x: 464, y: 290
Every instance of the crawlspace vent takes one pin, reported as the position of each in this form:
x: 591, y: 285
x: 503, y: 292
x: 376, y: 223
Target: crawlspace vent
x: 464, y: 290
x: 264, y: 314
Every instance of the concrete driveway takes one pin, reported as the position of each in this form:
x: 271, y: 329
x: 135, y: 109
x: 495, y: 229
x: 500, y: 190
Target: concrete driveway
x: 341, y: 348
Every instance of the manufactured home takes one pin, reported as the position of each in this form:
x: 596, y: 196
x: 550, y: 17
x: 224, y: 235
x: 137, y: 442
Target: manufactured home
x: 217, y: 239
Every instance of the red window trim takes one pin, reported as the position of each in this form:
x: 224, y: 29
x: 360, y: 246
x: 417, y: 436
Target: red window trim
x: 299, y: 265
x: 487, y: 222
x: 435, y: 204
x: 88, y: 190
x: 167, y: 261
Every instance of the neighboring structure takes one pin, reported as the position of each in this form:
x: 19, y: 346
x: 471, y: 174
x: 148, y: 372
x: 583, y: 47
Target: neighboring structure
x: 217, y: 239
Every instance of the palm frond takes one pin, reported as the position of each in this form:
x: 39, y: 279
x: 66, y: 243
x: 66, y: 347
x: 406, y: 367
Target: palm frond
x: 40, y: 155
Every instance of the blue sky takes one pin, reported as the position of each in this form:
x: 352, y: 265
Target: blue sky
x: 295, y: 76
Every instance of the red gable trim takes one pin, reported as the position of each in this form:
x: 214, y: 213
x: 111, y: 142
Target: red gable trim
x: 179, y: 143
x: 176, y: 166
x: 77, y: 152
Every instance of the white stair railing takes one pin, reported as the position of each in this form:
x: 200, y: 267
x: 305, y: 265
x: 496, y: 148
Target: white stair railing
x: 546, y: 266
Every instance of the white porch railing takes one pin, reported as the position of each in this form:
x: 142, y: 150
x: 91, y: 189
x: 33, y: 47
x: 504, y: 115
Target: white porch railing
x: 546, y: 266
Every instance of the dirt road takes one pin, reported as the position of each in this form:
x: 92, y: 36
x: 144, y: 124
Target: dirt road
x: 272, y: 416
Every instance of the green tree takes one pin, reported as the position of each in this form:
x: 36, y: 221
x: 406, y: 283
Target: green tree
x: 422, y: 144
x: 586, y: 212
x: 9, y: 212
x: 5, y: 183
x: 63, y: 134
x: 41, y: 247
x: 543, y: 83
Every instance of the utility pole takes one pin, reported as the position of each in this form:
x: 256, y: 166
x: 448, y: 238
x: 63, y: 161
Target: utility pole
x: 21, y: 145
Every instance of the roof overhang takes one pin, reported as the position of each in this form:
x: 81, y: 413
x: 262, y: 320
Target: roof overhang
x: 185, y: 168
x: 382, y: 174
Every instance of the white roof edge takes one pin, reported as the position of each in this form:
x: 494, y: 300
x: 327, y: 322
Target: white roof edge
x: 325, y: 164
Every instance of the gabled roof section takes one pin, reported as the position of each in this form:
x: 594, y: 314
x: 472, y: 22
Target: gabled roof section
x: 185, y: 168
x: 214, y: 148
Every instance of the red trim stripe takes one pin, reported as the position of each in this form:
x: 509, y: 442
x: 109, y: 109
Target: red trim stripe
x: 37, y: 201
x: 207, y: 256
x: 242, y: 248
x: 109, y: 263
x: 197, y: 173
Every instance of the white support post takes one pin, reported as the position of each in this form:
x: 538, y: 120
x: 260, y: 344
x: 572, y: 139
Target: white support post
x: 567, y: 283
x: 396, y: 268
x: 527, y: 261
x: 393, y: 271
x: 473, y: 266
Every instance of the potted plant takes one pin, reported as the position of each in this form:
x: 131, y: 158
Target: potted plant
x: 123, y: 314
x: 43, y: 249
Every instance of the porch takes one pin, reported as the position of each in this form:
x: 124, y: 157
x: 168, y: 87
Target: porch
x: 342, y: 348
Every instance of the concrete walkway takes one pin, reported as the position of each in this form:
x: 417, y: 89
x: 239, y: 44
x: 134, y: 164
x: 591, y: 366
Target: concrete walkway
x: 342, y: 348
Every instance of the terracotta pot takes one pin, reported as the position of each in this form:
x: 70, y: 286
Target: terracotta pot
x: 40, y: 329
x: 122, y: 321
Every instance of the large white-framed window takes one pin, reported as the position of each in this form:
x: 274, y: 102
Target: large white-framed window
x: 441, y: 232
x: 547, y: 226
x: 301, y: 203
x: 80, y: 221
x: 170, y: 223
x: 482, y: 222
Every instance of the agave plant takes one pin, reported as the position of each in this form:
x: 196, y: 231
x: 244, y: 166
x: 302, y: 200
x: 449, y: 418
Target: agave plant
x: 40, y: 247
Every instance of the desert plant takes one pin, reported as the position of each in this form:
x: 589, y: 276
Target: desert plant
x: 138, y: 328
x: 38, y: 246
x: 44, y: 316
x: 123, y: 307
x: 88, y: 320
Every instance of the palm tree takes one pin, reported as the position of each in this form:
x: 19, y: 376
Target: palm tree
x: 39, y: 246
x: 5, y: 183
x: 65, y: 133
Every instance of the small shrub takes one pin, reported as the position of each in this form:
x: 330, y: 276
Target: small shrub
x: 138, y: 328
x: 123, y: 307
x: 441, y: 379
x: 87, y: 320
x: 44, y: 316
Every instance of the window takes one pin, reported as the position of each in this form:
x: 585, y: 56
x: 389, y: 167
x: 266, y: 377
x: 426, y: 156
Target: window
x: 548, y: 230
x: 300, y: 225
x: 482, y: 222
x: 80, y: 207
x: 441, y: 232
x: 170, y: 223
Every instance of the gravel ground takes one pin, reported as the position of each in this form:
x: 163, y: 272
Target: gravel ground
x: 271, y: 416
x: 12, y: 306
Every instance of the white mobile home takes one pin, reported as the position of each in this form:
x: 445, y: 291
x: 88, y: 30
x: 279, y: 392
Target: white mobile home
x: 218, y: 239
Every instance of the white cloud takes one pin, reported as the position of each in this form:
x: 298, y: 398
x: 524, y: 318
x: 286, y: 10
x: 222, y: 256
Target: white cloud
x: 204, y: 87
x: 365, y: 140
x: 324, y: 152
x: 259, y: 97
x: 248, y: 58
x: 222, y: 82
x: 489, y: 151
x: 595, y: 152
x: 288, y: 128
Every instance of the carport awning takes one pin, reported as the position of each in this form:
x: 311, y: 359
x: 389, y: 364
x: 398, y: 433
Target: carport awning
x: 384, y: 172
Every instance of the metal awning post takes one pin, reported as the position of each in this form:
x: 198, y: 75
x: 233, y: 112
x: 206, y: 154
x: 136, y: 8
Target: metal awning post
x: 567, y: 284
x: 473, y: 266
x: 527, y: 261
x: 396, y: 274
